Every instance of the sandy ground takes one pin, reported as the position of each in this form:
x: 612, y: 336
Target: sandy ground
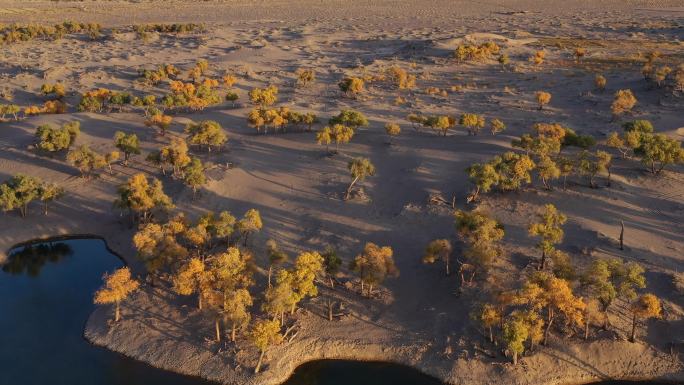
x: 298, y: 190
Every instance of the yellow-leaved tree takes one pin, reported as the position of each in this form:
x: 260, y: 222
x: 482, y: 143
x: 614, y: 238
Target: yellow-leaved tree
x: 118, y: 286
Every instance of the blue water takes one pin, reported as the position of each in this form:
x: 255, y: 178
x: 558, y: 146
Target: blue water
x: 45, y: 299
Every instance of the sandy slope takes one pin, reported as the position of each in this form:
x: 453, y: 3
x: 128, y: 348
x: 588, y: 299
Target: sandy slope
x: 298, y: 189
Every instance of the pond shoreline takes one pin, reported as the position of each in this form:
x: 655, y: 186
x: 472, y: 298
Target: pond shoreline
x: 338, y: 344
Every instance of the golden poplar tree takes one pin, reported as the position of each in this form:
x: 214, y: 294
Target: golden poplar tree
x: 118, y: 286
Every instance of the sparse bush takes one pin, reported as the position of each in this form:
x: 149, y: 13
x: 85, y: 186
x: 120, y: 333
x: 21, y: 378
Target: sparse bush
x: 56, y: 89
x: 623, y: 102
x: 469, y: 52
x: 401, y: 78
x: 538, y: 57
x: 497, y: 126
x: 392, y: 129
x: 543, y: 98
x: 352, y: 86
x: 305, y: 76
x: 600, y: 82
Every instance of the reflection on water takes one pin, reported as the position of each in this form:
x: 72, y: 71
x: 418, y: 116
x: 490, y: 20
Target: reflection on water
x: 30, y: 259
x: 43, y: 308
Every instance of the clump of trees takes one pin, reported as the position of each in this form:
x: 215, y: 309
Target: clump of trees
x: 206, y: 133
x: 157, y: 119
x: 481, y: 235
x: 337, y: 134
x: 20, y: 190
x: 656, y: 151
x: 53, y: 139
x: 374, y: 265
x: 141, y: 195
x: 128, y: 144
x: 87, y: 160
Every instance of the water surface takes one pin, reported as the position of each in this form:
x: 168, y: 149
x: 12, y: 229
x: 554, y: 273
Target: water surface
x: 46, y: 294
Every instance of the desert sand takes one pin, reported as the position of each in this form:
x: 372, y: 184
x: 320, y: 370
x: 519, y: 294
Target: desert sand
x: 420, y: 320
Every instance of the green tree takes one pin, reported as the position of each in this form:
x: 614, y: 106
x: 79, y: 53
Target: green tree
x: 658, y: 151
x: 608, y: 279
x: 515, y: 333
x: 194, y: 176
x: 349, y: 118
x: 128, y: 144
x: 49, y: 192
x: 549, y: 231
x: 547, y: 170
x: 280, y: 297
x: 19, y: 192
x: 332, y: 263
x: 56, y: 139
x: 484, y: 177
x: 206, y: 133
x: 359, y: 168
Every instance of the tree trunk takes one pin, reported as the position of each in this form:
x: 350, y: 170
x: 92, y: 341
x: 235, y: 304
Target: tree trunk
x: 491, y: 335
x: 261, y: 359
x: 199, y: 301
x: 634, y: 322
x: 586, y: 330
x: 362, y: 287
x: 446, y: 264
x: 330, y: 310
x: 233, y: 330
x: 46, y: 208
x: 218, y: 330
x: 349, y: 189
x: 543, y: 260
x: 515, y: 358
x: 282, y: 318
x: 622, y: 235
x: 270, y: 271
x: 548, y: 326
x: 117, y: 312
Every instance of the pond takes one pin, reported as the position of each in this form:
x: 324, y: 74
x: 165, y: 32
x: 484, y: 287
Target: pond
x: 46, y: 292
x: 46, y: 296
